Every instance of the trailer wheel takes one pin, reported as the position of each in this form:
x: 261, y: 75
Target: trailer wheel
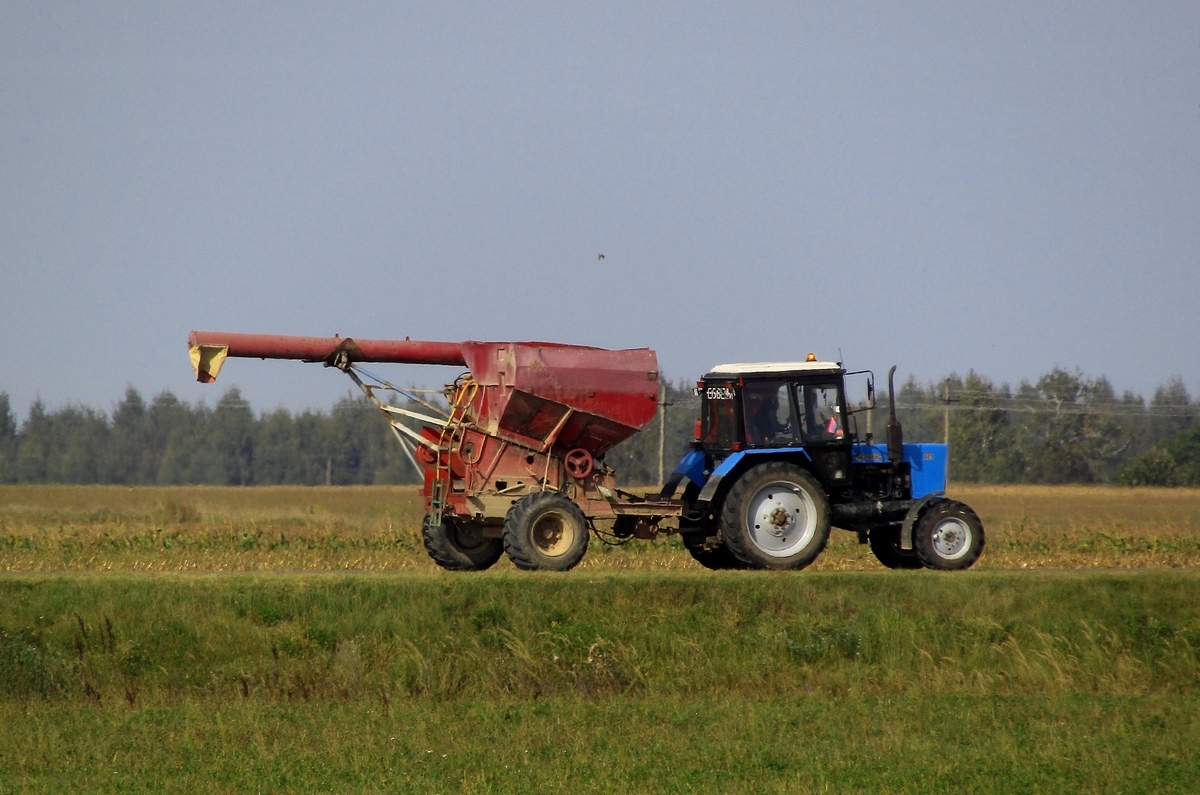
x: 461, y: 546
x: 775, y: 517
x: 545, y: 531
x: 885, y: 545
x: 948, y: 536
x: 717, y: 558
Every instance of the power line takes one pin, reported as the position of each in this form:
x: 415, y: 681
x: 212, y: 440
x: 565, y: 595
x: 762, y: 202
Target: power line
x: 1105, y: 409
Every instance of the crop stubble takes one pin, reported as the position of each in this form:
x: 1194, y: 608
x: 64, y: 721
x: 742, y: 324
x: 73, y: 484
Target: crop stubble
x: 200, y: 528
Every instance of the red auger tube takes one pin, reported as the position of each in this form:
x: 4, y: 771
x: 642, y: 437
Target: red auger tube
x: 319, y: 349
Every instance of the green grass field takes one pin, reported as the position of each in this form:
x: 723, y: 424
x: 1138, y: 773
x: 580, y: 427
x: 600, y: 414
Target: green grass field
x: 297, y: 640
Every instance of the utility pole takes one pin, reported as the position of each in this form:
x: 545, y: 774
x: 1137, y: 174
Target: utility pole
x: 662, y: 429
x: 946, y: 415
x: 947, y: 400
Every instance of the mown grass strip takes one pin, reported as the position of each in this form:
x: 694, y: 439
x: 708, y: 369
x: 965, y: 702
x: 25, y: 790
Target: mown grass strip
x: 154, y: 640
x: 601, y: 682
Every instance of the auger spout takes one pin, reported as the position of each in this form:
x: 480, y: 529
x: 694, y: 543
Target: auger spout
x: 209, y: 349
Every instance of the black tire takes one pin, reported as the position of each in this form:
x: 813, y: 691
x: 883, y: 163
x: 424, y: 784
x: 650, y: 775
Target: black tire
x: 775, y: 517
x: 461, y: 546
x: 717, y: 558
x: 948, y: 536
x: 885, y: 545
x: 545, y: 532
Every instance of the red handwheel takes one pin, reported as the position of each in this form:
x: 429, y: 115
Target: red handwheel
x: 579, y: 463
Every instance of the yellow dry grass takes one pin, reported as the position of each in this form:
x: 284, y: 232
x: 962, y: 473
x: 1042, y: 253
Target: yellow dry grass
x: 205, y: 528
x: 1087, y: 526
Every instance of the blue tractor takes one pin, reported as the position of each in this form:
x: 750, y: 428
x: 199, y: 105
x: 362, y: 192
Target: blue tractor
x: 778, y: 461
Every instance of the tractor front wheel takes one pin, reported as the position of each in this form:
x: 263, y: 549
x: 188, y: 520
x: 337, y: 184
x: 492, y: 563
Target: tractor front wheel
x: 948, y: 536
x: 545, y: 531
x: 461, y: 546
x: 775, y: 517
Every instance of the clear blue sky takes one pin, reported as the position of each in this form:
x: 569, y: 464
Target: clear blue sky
x: 1004, y: 187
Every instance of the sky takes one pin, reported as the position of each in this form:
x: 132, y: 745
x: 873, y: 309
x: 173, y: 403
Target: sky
x: 998, y: 187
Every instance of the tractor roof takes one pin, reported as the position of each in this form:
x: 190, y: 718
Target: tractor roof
x: 775, y: 368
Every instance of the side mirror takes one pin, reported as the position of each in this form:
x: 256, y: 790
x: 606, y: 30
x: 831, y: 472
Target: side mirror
x: 870, y: 402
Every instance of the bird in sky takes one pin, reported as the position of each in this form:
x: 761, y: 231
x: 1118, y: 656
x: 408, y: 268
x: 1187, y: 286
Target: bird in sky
x: 599, y: 256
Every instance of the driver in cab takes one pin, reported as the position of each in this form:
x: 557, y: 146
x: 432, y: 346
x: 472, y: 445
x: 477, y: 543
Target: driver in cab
x: 763, y: 425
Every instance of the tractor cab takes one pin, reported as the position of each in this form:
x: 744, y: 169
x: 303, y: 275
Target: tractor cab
x: 781, y: 408
x: 772, y: 405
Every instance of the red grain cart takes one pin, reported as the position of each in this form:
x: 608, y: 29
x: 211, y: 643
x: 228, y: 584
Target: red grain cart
x: 516, y: 463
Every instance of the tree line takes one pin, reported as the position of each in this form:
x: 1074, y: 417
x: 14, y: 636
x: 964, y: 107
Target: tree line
x: 169, y: 441
x: 1062, y: 428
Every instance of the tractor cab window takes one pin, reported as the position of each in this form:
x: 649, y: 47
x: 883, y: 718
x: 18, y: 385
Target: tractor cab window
x: 821, y: 418
x: 719, y: 426
x: 767, y: 414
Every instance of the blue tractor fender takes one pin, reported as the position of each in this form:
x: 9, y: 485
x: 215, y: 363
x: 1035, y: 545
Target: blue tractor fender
x: 692, y: 467
x: 743, y: 459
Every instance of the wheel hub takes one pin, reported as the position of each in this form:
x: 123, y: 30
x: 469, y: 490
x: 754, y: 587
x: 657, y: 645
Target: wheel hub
x: 552, y: 535
x: 781, y: 519
x: 778, y: 521
x: 952, y: 539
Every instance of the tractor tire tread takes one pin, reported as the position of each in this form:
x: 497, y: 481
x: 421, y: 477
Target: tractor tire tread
x: 885, y: 546
x: 518, y: 527
x: 736, y: 535
x: 923, y: 541
x: 448, y: 554
x: 717, y: 558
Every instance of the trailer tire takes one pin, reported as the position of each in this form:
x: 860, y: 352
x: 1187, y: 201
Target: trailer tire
x: 545, y: 532
x: 948, y: 536
x: 461, y: 546
x: 775, y: 516
x: 885, y: 545
x: 717, y: 558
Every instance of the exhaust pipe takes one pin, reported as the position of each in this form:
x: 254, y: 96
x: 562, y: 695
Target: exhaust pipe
x: 895, y: 436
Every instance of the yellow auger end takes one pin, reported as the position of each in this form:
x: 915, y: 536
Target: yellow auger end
x: 207, y: 361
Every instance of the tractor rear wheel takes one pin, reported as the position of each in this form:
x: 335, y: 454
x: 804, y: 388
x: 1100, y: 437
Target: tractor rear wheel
x: 545, y: 531
x: 948, y: 536
x: 775, y: 517
x: 885, y: 544
x: 461, y: 546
